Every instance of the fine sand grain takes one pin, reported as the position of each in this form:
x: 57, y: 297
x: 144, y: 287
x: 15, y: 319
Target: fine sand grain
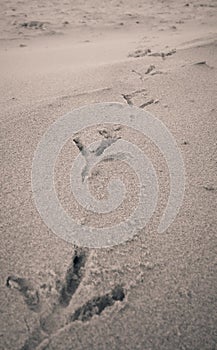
x: 157, y: 291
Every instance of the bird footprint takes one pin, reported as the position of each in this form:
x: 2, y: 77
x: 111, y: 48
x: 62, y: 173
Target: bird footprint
x: 58, y: 318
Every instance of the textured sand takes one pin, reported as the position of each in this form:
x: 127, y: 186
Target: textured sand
x: 156, y: 291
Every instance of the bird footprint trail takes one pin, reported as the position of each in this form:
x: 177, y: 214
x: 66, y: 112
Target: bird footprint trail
x: 60, y: 316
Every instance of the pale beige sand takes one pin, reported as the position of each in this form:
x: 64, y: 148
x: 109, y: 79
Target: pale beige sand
x: 169, y: 280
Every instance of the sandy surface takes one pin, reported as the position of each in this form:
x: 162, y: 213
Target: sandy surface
x: 157, y: 291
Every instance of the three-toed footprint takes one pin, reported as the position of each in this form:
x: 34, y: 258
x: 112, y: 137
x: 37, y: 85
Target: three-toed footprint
x: 61, y: 293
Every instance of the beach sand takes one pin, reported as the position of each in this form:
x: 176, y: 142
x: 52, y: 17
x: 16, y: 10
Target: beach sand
x: 156, y: 291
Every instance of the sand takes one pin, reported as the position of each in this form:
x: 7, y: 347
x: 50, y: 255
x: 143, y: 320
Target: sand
x: 156, y: 291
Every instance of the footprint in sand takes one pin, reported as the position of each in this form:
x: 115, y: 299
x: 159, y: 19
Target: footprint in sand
x: 58, y: 318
